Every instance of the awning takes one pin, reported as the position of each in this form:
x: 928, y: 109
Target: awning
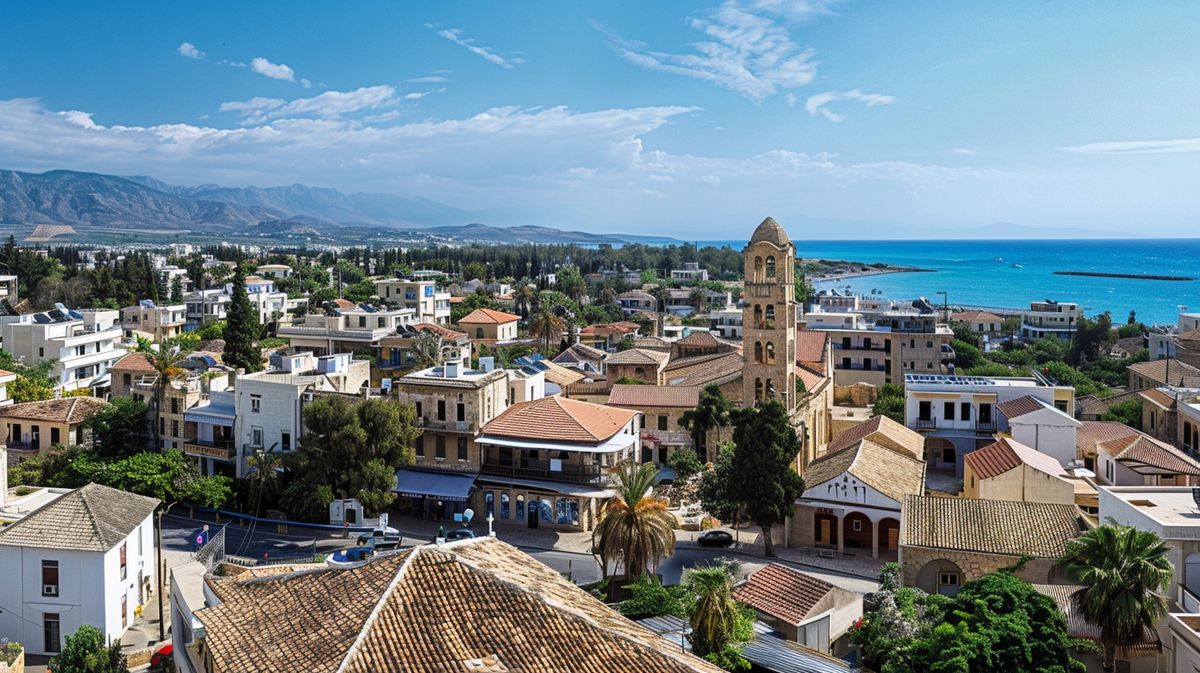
x: 577, y: 490
x: 445, y: 486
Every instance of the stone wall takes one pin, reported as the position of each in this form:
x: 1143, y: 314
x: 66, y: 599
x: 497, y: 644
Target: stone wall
x: 971, y: 566
x: 855, y: 395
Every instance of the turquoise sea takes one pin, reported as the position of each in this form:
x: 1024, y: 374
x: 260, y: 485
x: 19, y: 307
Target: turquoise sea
x: 970, y: 273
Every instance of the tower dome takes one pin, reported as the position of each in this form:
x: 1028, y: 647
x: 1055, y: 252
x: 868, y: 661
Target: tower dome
x: 771, y: 232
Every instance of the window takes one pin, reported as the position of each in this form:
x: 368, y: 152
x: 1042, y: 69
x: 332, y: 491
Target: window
x: 1061, y: 405
x: 256, y: 437
x: 947, y: 583
x: 41, y: 352
x: 462, y: 411
x: 948, y: 411
x: 439, y: 448
x: 758, y: 351
x: 462, y: 449
x: 255, y: 403
x: 925, y: 410
x: 285, y: 441
x: 504, y: 505
x: 420, y: 446
x: 441, y: 410
x: 662, y: 422
x: 520, y: 507
x: 54, y: 436
x: 856, y: 525
x: 418, y: 405
x: 489, y: 504
x: 124, y: 561
x: 770, y: 315
x: 50, y: 578
x: 128, y: 379
x: 770, y: 353
x: 174, y: 405
x: 478, y: 332
x: 985, y: 412
x: 771, y: 267
x: 174, y: 428
x: 51, y: 632
x: 567, y: 511
x: 964, y: 410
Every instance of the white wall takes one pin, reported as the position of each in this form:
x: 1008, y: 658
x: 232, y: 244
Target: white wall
x: 864, y: 496
x: 1057, y: 441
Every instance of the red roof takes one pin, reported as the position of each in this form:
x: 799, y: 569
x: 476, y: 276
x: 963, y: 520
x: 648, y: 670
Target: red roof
x: 810, y: 345
x: 137, y: 362
x: 623, y: 395
x: 1006, y: 454
x: 560, y: 419
x: 604, y: 329
x: 782, y: 592
x: 487, y: 316
x: 1020, y: 406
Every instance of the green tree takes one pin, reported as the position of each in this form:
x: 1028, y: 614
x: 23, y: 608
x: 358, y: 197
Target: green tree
x: 966, y: 355
x: 686, y: 464
x: 1125, y: 573
x: 765, y: 482
x: 1128, y: 412
x: 119, y: 429
x: 214, y: 329
x: 548, y: 325
x: 720, y: 625
x: 716, y: 486
x: 242, y: 330
x: 963, y: 332
x: 649, y: 598
x: 177, y: 290
x: 1090, y: 339
x: 348, y: 444
x: 712, y: 411
x: 889, y: 401
x: 303, y: 503
x: 167, y: 363
x: 635, y: 528
x: 86, y: 652
x: 570, y: 282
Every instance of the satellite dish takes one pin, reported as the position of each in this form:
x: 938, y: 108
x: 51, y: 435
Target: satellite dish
x: 469, y: 513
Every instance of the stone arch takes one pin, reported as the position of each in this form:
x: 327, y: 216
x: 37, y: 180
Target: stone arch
x: 758, y: 351
x: 758, y: 315
x: 640, y: 373
x: 889, y: 541
x: 770, y: 316
x: 937, y: 450
x: 940, y: 576
x: 770, y: 352
x: 758, y: 390
x: 758, y: 268
x: 857, y: 530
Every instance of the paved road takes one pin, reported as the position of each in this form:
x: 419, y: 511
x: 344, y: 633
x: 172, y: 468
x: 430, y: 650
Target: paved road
x: 688, y: 555
x: 179, y: 534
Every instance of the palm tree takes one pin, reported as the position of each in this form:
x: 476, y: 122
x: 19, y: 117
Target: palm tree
x: 1125, y: 573
x: 699, y: 297
x: 547, y: 324
x: 524, y: 298
x: 711, y: 412
x: 166, y: 362
x: 264, y: 466
x: 427, y: 349
x: 716, y: 619
x: 634, y: 527
x: 505, y: 355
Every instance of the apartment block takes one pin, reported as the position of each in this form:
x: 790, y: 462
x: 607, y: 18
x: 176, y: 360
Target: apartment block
x: 345, y: 330
x: 1050, y: 318
x: 421, y: 296
x: 83, y: 343
x: 155, y: 322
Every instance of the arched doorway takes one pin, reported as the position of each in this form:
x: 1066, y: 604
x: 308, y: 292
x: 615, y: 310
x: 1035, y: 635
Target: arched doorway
x: 889, y: 537
x: 940, y: 453
x: 940, y: 577
x: 825, y: 529
x: 857, y: 531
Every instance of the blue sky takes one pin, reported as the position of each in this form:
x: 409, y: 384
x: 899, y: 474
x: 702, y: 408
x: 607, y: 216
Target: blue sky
x: 839, y: 118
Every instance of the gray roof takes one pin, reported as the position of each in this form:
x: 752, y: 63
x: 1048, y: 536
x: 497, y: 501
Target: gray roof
x: 92, y: 518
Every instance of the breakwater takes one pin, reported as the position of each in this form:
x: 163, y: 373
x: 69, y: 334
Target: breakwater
x: 1135, y: 276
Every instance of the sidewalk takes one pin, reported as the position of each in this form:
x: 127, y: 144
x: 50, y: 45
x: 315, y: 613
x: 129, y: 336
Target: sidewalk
x: 514, y: 534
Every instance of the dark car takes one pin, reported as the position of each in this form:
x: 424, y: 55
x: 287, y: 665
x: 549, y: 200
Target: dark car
x: 460, y: 534
x: 377, y: 536
x: 715, y: 538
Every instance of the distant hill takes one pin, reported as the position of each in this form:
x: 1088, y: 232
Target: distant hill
x: 145, y: 204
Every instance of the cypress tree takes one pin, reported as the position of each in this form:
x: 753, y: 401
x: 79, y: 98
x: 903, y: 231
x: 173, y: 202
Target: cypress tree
x: 242, y: 330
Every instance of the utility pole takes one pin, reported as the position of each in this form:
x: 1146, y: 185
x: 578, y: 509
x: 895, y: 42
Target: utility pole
x: 158, y: 552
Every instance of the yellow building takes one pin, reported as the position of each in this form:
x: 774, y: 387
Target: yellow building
x: 1009, y: 470
x: 32, y: 427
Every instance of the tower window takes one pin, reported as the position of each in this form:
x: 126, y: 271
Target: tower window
x: 770, y: 353
x: 771, y: 267
x: 770, y: 316
x: 758, y: 351
x: 758, y: 390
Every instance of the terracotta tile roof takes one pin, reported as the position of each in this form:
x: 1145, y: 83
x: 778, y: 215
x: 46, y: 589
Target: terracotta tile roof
x: 705, y: 369
x: 811, y: 345
x: 638, y: 356
x: 652, y: 343
x: 4, y: 373
x: 1190, y: 335
x: 989, y: 526
x: 487, y: 316
x: 92, y: 518
x: 890, y: 472
x: 654, y: 396
x: 605, y: 329
x: 1020, y: 406
x: 1006, y: 454
x: 1092, y: 433
x: 561, y: 376
x: 811, y: 380
x: 464, y: 607
x: 558, y: 419
x: 969, y: 316
x: 782, y: 592
x: 1144, y: 454
x: 883, y: 431
x: 600, y: 387
x: 134, y: 362
x: 699, y: 339
x: 1156, y: 370
x: 443, y: 332
x: 1158, y: 397
x: 584, y: 352
x: 343, y: 303
x: 1078, y: 627
x: 69, y: 410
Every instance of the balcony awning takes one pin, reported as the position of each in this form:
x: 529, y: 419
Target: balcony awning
x: 565, y: 488
x: 445, y: 486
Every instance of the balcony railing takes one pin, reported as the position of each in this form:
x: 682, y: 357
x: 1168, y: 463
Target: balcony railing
x: 873, y: 348
x: 926, y: 423
x: 540, y: 469
x: 449, y: 426
x: 1189, y: 601
x: 221, y: 449
x: 859, y: 368
x: 985, y: 426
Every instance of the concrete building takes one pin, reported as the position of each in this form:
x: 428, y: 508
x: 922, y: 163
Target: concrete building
x: 205, y: 306
x: 769, y: 317
x: 1009, y: 470
x: 155, y: 323
x: 1050, y: 318
x: 803, y: 609
x: 422, y: 296
x: 637, y: 301
x: 274, y: 271
x: 959, y: 414
x: 727, y: 322
x: 1039, y: 424
x: 690, y: 273
x: 884, y: 346
x: 83, y: 343
x: 637, y: 364
x: 199, y: 376
x: 87, y: 557
x: 9, y: 288
x: 33, y: 427
x: 607, y: 336
x: 662, y: 408
x: 353, y: 329
x: 400, y: 350
x: 984, y: 323
x: 489, y: 327
x: 209, y: 427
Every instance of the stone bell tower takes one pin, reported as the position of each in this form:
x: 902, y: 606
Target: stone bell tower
x: 769, y: 317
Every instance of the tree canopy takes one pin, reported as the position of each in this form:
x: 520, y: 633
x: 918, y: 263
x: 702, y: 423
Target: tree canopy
x: 86, y: 652
x: 242, y: 330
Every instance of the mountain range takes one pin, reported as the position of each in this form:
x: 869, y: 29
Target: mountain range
x: 145, y: 204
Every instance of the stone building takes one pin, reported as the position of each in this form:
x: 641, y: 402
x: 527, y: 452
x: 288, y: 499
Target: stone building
x: 769, y: 317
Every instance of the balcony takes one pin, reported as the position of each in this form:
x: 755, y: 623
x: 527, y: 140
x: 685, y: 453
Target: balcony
x: 985, y: 426
x: 221, y: 449
x: 873, y: 348
x: 858, y: 367
x: 926, y: 423
x: 469, y: 427
x: 1188, y: 600
x: 540, y: 469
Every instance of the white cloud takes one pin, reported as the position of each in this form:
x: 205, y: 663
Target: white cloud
x: 967, y: 151
x: 748, y: 51
x: 305, y: 83
x: 431, y: 79
x: 713, y: 180
x: 817, y: 104
x: 232, y: 64
x: 266, y: 68
x: 1138, y: 147
x: 455, y: 35
x: 189, y: 50
x: 327, y: 105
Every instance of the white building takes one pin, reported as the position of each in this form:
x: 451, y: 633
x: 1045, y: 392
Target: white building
x: 270, y: 304
x: 87, y: 557
x: 1040, y: 425
x: 357, y: 328
x: 274, y: 271
x: 422, y: 296
x: 8, y: 288
x: 1050, y: 318
x: 83, y: 342
x: 205, y: 306
x: 158, y: 322
x: 690, y: 273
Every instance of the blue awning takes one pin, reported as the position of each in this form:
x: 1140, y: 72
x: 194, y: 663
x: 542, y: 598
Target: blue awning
x: 445, y: 486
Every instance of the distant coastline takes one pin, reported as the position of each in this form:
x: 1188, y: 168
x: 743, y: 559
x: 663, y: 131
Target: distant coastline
x: 875, y: 271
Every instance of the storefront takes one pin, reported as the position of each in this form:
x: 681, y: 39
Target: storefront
x: 539, y: 504
x: 436, y: 496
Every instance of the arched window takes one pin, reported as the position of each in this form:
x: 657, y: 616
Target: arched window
x: 770, y: 353
x: 770, y: 316
x: 640, y: 373
x: 758, y: 351
x: 771, y: 267
x: 758, y: 268
x: 758, y: 316
x: 770, y: 390
x: 758, y: 390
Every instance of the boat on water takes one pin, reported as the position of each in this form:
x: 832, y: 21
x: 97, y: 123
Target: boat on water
x: 997, y: 259
x: 1017, y: 266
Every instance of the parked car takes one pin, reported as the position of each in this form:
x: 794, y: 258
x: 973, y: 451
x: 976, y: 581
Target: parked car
x: 460, y: 534
x: 379, y: 535
x: 715, y: 538
x: 163, y: 659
